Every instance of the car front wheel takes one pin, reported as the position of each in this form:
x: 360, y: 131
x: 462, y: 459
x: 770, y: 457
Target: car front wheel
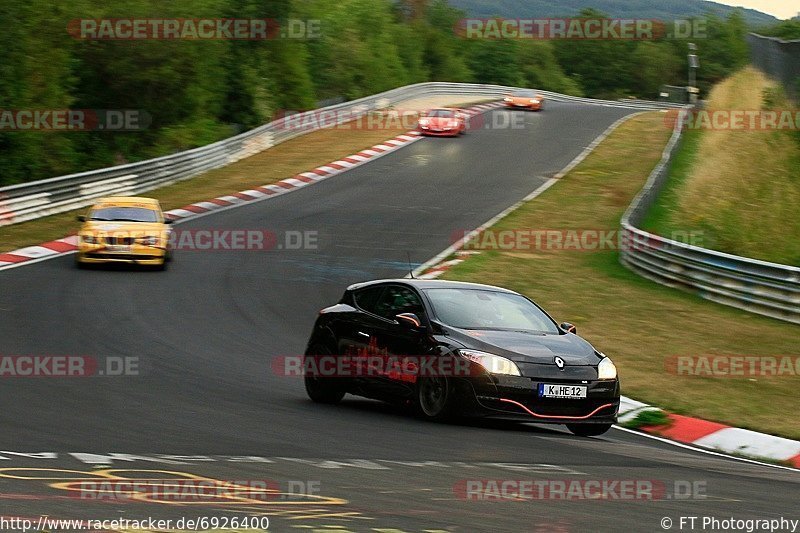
x: 435, y: 398
x: 323, y: 389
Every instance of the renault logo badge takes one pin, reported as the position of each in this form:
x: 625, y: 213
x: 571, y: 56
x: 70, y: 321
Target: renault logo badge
x: 559, y: 362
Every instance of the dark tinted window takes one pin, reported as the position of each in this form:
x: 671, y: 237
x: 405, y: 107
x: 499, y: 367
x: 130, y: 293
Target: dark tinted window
x: 441, y: 113
x: 397, y: 299
x: 127, y: 214
x: 367, y: 298
x: 485, y: 309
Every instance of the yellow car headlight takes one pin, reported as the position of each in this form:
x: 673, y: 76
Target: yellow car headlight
x: 90, y: 239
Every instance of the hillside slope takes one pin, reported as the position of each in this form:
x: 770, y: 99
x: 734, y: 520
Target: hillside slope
x: 662, y: 10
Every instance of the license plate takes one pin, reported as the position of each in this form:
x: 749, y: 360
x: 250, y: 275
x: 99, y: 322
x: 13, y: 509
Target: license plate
x: 574, y: 392
x: 118, y: 248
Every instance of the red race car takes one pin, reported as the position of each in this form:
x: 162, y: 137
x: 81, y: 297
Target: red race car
x: 443, y: 121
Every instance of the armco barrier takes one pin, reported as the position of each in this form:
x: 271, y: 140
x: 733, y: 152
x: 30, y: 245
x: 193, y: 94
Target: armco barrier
x: 28, y: 201
x: 757, y: 286
x: 779, y: 59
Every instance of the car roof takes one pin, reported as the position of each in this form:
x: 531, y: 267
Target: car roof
x: 122, y: 200
x: 431, y: 284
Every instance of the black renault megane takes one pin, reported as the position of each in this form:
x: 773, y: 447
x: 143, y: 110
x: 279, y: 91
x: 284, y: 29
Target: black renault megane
x: 459, y: 349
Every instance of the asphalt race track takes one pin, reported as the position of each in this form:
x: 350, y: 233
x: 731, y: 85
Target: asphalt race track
x: 207, y: 402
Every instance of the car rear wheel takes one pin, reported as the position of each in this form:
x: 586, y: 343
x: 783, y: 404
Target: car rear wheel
x: 323, y: 389
x: 435, y: 398
x: 588, y: 430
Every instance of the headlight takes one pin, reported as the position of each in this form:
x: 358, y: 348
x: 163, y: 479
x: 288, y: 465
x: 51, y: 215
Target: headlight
x: 507, y: 99
x: 90, y: 239
x: 606, y: 369
x: 494, y: 364
x: 534, y: 101
x: 149, y: 241
x: 423, y: 122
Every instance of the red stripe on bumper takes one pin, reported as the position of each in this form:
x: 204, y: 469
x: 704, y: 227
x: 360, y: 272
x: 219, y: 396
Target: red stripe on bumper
x: 557, y: 416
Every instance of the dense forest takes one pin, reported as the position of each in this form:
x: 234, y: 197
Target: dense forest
x: 199, y: 91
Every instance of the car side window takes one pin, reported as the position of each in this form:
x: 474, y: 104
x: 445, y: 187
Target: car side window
x: 395, y: 300
x: 367, y: 299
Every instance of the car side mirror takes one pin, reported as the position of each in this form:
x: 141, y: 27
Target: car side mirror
x: 81, y: 218
x: 409, y: 320
x: 569, y: 328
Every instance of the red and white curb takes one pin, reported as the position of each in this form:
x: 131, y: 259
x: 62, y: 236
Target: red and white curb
x: 70, y: 244
x: 437, y: 270
x: 715, y: 436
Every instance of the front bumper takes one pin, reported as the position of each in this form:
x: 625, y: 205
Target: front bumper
x: 532, y: 107
x: 514, y: 397
x: 439, y: 133
x: 136, y: 254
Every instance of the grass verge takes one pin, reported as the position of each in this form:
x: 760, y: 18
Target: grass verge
x: 737, y: 189
x: 640, y: 324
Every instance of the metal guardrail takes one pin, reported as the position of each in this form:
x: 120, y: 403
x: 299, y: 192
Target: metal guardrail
x: 778, y: 58
x: 27, y: 201
x: 757, y: 286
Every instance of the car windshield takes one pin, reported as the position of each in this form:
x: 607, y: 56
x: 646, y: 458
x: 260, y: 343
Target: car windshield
x: 126, y: 214
x: 524, y: 94
x: 487, y: 309
x: 440, y: 113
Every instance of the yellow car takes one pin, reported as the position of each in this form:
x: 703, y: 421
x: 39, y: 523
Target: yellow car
x: 124, y: 229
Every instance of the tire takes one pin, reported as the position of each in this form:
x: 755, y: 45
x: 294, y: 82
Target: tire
x: 588, y: 430
x: 320, y: 389
x: 435, y: 398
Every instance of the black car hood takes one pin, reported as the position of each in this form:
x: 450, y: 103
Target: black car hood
x: 524, y: 347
